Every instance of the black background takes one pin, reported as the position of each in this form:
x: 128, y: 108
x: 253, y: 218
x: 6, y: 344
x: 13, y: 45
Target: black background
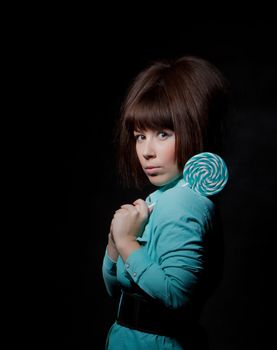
x: 85, y: 73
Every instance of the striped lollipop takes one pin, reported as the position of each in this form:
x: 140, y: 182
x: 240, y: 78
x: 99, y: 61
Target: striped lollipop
x: 206, y: 173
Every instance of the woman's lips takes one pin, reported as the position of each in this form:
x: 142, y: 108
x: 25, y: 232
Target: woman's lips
x: 152, y: 170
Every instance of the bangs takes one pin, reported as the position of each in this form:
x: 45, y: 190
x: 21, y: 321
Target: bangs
x: 150, y: 111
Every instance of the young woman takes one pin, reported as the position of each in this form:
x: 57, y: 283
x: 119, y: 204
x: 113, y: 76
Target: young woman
x: 160, y: 258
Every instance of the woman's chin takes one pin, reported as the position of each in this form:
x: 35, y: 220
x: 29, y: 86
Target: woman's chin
x: 159, y: 180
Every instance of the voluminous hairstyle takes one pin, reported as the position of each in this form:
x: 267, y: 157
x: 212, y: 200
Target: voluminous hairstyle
x: 187, y: 95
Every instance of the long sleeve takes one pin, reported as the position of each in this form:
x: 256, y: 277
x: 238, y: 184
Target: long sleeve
x: 178, y: 241
x: 109, y: 275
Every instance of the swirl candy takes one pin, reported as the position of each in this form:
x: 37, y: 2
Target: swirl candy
x: 206, y: 173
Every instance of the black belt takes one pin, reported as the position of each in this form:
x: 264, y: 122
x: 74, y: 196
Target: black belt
x: 143, y: 313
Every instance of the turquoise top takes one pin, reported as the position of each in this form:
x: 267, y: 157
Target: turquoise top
x: 169, y: 262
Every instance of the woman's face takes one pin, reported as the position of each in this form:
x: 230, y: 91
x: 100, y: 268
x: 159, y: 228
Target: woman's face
x: 156, y: 153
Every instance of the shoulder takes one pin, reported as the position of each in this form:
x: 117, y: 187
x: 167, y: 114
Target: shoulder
x: 181, y: 201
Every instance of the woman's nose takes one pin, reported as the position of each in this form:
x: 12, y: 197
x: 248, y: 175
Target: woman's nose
x: 149, y: 150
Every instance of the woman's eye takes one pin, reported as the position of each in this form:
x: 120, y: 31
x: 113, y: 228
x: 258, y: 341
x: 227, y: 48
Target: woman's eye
x: 163, y: 134
x: 138, y: 137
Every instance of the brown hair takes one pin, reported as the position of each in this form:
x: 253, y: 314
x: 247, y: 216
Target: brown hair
x: 186, y: 95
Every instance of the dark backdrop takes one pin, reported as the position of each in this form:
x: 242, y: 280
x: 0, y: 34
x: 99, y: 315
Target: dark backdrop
x: 86, y: 77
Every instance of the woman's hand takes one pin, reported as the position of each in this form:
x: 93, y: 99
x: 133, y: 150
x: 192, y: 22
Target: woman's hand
x: 128, y: 222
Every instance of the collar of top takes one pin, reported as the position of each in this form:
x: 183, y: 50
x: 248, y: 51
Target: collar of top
x: 154, y: 196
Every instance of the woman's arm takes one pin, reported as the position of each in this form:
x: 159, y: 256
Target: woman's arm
x: 174, y: 275
x: 111, y: 248
x: 127, y: 224
x: 179, y: 244
x: 109, y: 268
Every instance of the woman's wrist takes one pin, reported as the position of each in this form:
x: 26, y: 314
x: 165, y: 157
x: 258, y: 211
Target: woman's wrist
x: 112, y: 251
x: 126, y: 247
